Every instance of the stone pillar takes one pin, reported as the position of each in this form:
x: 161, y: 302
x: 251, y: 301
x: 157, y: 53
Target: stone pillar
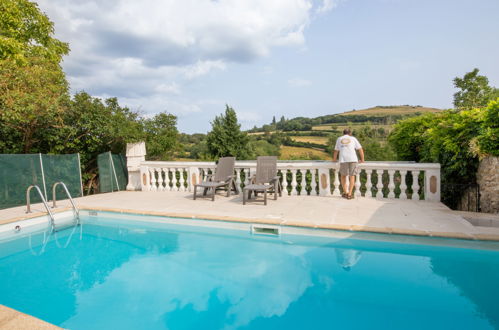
x: 135, y: 154
x: 431, y: 185
x: 488, y: 179
x: 324, y: 182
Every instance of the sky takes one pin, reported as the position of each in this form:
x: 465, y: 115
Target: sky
x: 270, y: 58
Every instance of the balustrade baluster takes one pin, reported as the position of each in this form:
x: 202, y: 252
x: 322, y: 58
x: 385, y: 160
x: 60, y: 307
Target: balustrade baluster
x: 285, y: 183
x: 336, y: 182
x: 181, y: 179
x: 238, y: 177
x: 403, y: 185
x: 160, y: 178
x: 293, y: 182
x: 358, y: 193
x: 247, y: 176
x: 174, y: 179
x: 303, y: 183
x: 369, y: 183
x: 152, y: 172
x: 415, y: 185
x: 379, y: 184
x: 391, y: 183
x: 313, y: 184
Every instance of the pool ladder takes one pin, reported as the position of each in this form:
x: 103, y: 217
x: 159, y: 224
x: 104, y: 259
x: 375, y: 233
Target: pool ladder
x: 54, y: 205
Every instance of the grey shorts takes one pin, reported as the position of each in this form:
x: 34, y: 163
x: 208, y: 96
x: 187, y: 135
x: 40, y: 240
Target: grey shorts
x: 349, y: 168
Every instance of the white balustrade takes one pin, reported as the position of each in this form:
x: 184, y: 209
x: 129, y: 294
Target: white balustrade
x: 379, y: 184
x: 391, y: 183
x: 170, y: 176
x: 369, y: 183
x: 403, y: 185
x: 285, y: 181
x: 357, y: 185
x: 313, y: 184
x: 293, y: 182
x: 415, y: 185
x: 336, y: 182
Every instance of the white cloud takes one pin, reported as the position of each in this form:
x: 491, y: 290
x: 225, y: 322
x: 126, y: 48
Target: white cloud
x: 326, y: 6
x: 172, y: 88
x: 299, y: 82
x: 147, y: 52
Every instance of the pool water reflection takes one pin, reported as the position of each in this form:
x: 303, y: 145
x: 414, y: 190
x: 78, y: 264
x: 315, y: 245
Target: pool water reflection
x: 135, y: 276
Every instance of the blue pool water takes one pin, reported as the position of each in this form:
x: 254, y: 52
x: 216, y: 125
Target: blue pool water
x: 136, y: 275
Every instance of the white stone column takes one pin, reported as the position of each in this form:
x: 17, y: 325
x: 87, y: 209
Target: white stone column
x: 194, y: 177
x: 135, y: 154
x: 379, y: 185
x: 403, y: 185
x: 432, y: 185
x: 415, y: 185
x: 145, y: 180
x: 391, y: 183
x: 324, y: 182
x: 369, y: 184
x: 293, y: 182
x: 313, y: 184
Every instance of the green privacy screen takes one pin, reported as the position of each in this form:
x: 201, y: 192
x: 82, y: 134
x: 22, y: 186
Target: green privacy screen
x: 18, y: 172
x: 112, y: 172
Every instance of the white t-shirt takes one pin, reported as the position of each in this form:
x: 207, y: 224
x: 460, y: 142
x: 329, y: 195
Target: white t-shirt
x: 347, y: 145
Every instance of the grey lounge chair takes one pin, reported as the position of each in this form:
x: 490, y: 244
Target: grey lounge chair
x: 265, y: 180
x: 223, y: 178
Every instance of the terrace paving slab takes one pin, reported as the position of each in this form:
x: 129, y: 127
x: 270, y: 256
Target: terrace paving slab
x: 360, y: 214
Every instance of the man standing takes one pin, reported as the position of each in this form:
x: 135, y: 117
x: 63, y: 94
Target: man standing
x: 346, y: 146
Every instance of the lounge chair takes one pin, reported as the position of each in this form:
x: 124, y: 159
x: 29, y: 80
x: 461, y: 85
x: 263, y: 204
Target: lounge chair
x: 266, y: 179
x: 223, y: 178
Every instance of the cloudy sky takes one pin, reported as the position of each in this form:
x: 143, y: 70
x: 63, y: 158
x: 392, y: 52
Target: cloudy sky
x: 273, y: 57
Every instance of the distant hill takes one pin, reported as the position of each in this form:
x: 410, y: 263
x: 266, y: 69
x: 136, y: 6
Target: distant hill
x: 378, y: 115
x: 388, y: 110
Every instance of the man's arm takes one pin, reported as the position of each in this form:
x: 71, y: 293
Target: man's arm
x: 335, y: 155
x: 361, y: 153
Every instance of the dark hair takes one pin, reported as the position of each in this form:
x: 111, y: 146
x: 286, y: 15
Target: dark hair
x: 347, y: 131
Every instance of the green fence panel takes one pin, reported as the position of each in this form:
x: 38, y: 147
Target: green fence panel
x: 65, y: 168
x: 18, y: 172
x: 112, y: 172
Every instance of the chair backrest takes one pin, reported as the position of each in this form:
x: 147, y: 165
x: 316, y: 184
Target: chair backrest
x: 225, y: 167
x: 266, y: 169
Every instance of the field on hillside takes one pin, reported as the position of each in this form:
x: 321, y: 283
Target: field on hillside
x: 310, y: 139
x: 288, y: 153
x: 341, y: 127
x: 390, y: 110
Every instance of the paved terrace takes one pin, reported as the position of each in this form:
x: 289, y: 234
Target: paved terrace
x: 361, y: 214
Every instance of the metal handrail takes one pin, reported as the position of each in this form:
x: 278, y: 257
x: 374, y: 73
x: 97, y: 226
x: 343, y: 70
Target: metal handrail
x: 28, y: 204
x: 75, y: 209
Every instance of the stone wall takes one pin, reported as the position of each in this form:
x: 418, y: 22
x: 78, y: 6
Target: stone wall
x: 488, y: 179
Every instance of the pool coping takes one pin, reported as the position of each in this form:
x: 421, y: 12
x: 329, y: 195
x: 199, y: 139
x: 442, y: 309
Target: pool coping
x: 279, y: 222
x: 15, y: 320
x: 351, y: 228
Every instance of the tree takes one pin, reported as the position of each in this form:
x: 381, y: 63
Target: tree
x: 226, y: 138
x: 33, y: 88
x: 33, y: 99
x: 26, y: 32
x: 162, y: 135
x: 474, y: 92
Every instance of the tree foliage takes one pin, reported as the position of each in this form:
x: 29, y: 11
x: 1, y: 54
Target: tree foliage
x: 26, y: 33
x: 474, y: 91
x: 226, y: 137
x: 456, y: 140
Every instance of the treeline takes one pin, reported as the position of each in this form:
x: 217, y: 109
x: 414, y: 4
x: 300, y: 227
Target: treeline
x: 306, y: 124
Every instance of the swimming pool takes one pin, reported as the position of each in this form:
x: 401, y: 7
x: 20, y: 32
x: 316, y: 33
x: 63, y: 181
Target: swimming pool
x: 138, y: 272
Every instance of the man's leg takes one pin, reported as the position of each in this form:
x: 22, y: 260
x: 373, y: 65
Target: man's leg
x: 344, y: 183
